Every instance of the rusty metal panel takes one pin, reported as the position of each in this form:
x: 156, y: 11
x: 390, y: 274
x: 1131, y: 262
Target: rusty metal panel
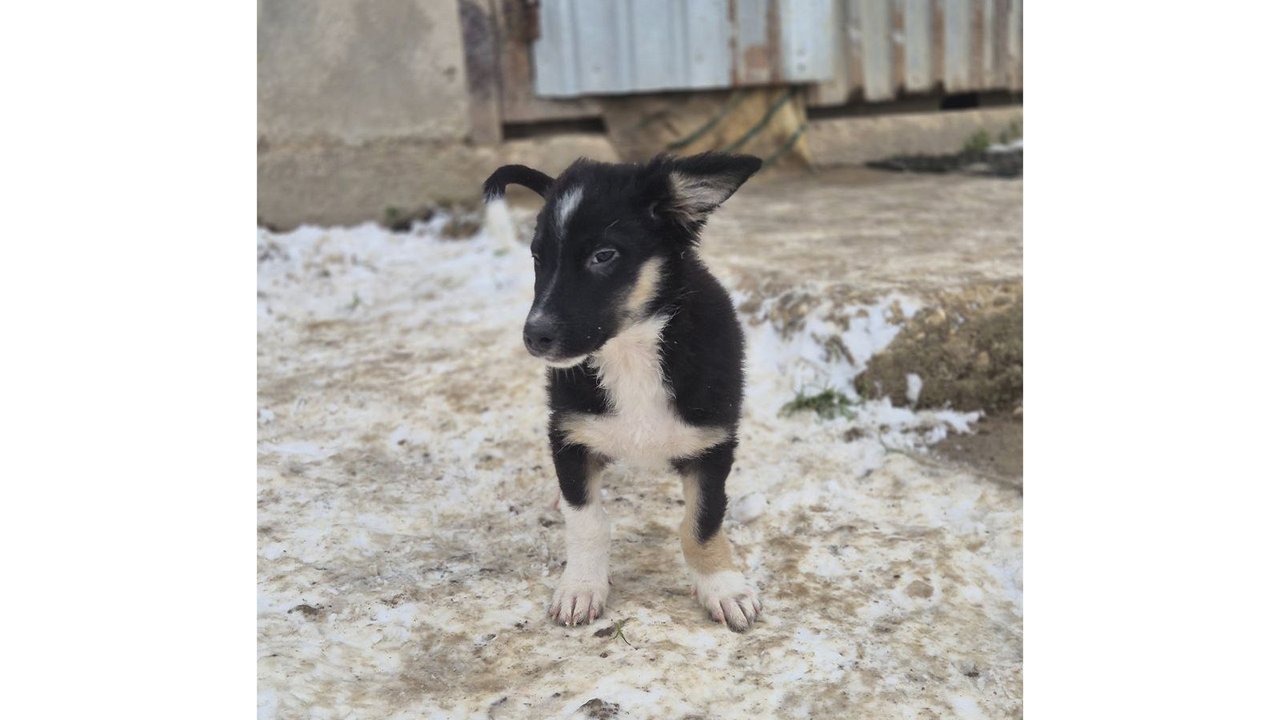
x: 602, y: 47
x: 806, y: 47
x: 958, y: 15
x: 705, y: 37
x: 988, y: 43
x: 877, y: 53
x: 893, y: 47
x: 517, y: 25
x: 836, y: 90
x: 998, y: 72
x: 754, y: 52
x: 919, y: 39
x: 1014, y: 81
x: 898, y: 43
x: 878, y: 49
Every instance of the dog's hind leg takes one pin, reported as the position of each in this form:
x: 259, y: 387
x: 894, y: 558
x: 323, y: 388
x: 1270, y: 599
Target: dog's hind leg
x: 717, y: 582
x: 584, y: 587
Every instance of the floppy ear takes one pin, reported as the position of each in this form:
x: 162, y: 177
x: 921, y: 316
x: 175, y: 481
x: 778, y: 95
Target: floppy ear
x: 698, y: 184
x: 496, y: 186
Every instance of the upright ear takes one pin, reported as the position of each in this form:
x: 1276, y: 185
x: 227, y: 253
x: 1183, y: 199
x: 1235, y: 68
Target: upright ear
x: 496, y: 186
x: 697, y: 185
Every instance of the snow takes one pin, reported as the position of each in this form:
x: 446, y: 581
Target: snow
x: 1005, y: 147
x: 804, y: 360
x: 914, y: 385
x: 748, y: 507
x: 403, y: 480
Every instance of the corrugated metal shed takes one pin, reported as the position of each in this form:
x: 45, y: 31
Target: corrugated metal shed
x: 602, y: 47
x: 890, y: 47
x: 881, y: 48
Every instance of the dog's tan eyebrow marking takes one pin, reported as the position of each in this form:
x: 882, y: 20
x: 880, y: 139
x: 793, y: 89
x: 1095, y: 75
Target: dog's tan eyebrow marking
x: 565, y: 206
x: 646, y: 286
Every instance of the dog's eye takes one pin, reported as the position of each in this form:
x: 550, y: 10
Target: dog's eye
x: 537, y: 261
x: 603, y: 256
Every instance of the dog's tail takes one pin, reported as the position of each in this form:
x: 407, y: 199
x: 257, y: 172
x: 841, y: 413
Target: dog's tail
x: 496, y: 186
x: 497, y: 217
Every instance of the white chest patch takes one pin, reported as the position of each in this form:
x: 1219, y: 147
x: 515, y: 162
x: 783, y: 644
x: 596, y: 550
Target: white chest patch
x: 642, y: 426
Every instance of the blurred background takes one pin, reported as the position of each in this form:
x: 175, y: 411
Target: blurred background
x: 366, y: 105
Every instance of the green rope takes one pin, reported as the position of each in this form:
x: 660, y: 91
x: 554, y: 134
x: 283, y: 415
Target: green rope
x: 734, y: 101
x: 787, y: 145
x: 786, y: 96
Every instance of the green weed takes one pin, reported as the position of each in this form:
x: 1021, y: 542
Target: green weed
x: 827, y: 404
x: 977, y: 143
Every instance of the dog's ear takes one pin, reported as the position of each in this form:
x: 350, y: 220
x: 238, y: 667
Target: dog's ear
x: 686, y: 190
x: 496, y: 186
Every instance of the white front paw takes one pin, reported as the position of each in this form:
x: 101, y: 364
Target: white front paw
x: 729, y: 598
x: 578, y: 601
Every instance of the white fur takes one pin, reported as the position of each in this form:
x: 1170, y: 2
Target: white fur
x: 584, y: 586
x: 565, y: 206
x: 728, y: 597
x: 642, y: 427
x: 566, y: 363
x: 695, y: 197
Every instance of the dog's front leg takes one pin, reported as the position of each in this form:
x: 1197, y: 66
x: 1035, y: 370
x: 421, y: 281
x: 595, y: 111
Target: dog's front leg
x: 719, y: 585
x: 584, y: 587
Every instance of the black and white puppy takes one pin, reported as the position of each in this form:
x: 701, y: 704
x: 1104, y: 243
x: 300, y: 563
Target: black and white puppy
x: 645, y: 354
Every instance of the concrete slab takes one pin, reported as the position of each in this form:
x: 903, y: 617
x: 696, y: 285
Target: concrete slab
x: 870, y: 232
x: 857, y: 140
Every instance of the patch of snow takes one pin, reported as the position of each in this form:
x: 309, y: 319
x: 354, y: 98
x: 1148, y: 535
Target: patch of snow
x: 811, y: 357
x: 498, y: 222
x: 809, y: 360
x: 914, y: 385
x: 1005, y: 147
x: 748, y: 507
x: 966, y: 708
x: 299, y: 449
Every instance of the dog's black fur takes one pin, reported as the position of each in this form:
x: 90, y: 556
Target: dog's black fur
x: 589, y: 255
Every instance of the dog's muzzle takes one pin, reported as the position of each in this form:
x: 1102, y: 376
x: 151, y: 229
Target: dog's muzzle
x: 541, y: 335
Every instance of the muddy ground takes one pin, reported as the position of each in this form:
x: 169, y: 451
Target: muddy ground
x: 407, y: 551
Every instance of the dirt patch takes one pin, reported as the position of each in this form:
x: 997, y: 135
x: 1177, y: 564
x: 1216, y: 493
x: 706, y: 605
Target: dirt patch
x: 598, y: 709
x: 1007, y: 164
x: 994, y: 449
x: 962, y: 351
x: 919, y: 589
x: 308, y: 611
x: 978, y: 157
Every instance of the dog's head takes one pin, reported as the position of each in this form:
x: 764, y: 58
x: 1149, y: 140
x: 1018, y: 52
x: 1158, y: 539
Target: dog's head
x: 607, y: 238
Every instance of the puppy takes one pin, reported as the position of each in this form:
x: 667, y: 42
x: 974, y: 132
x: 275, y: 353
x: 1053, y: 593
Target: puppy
x: 645, y: 357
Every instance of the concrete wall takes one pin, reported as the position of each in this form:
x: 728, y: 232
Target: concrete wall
x: 347, y: 89
x: 363, y: 106
x: 360, y: 70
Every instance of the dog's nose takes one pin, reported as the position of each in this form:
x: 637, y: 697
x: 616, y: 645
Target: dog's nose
x: 540, y: 334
